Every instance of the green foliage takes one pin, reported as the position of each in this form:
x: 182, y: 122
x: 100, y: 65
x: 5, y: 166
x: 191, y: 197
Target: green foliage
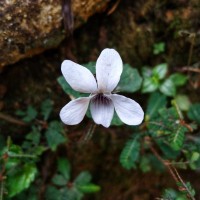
x: 158, y: 48
x: 155, y: 103
x: 65, y: 189
x: 28, y: 115
x: 155, y: 79
x: 20, y: 179
x: 54, y: 135
x: 194, y: 113
x: 130, y: 152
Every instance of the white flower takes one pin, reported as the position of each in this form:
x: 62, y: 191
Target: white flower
x: 102, y: 101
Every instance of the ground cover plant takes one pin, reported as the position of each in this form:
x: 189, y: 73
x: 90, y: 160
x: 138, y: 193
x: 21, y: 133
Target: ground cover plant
x: 42, y: 158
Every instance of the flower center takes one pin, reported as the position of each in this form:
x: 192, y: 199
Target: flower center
x: 100, y: 99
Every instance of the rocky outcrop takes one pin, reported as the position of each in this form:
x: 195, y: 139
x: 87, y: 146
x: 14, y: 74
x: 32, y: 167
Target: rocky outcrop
x: 31, y: 26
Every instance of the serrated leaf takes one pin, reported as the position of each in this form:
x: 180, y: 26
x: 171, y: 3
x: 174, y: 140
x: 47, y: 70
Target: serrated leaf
x: 178, y: 79
x: 176, y: 139
x: 31, y: 114
x: 160, y: 70
x: 64, y: 167
x: 155, y: 102
x: 52, y: 193
x: 130, y: 153
x: 130, y: 80
x: 194, y: 112
x: 46, y: 108
x: 54, y: 135
x: 59, y: 180
x: 146, y: 72
x: 150, y: 84
x: 21, y: 179
x: 34, y: 136
x: 89, y: 188
x: 168, y: 88
x: 83, y: 178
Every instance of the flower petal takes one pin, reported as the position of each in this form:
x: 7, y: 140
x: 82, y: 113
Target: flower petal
x: 102, y: 110
x: 108, y: 70
x: 78, y: 77
x: 129, y: 111
x: 74, y: 112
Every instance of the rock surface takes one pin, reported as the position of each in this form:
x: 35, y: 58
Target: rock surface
x: 31, y: 26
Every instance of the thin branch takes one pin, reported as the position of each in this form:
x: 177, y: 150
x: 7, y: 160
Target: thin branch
x: 174, y: 173
x: 12, y: 120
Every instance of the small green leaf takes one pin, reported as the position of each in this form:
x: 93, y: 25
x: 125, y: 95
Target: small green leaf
x: 178, y: 79
x: 83, y: 178
x: 89, y: 188
x: 146, y: 72
x: 52, y: 193
x: 150, y: 84
x: 168, y: 88
x: 130, y: 80
x: 194, y: 113
x: 20, y: 179
x: 64, y: 167
x: 34, y: 136
x: 130, y: 152
x: 59, y: 180
x: 31, y: 114
x: 155, y: 102
x: 46, y: 108
x: 183, y: 102
x: 158, y: 48
x: 54, y: 135
x: 176, y: 139
x: 160, y: 70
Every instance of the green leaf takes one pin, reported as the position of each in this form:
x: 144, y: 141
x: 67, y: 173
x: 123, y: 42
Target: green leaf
x: 71, y: 194
x: 155, y: 102
x: 158, y: 48
x: 178, y: 79
x: 176, y: 139
x: 145, y: 164
x: 83, y: 178
x: 29, y: 115
x: 168, y: 88
x: 160, y: 70
x: 130, y: 80
x: 183, y: 102
x: 194, y: 113
x: 54, y: 135
x: 34, y: 136
x: 46, y: 108
x: 146, y: 72
x: 64, y: 167
x: 20, y: 179
x: 68, y: 90
x: 52, y: 193
x: 150, y: 84
x: 89, y: 188
x: 59, y: 180
x: 130, y: 152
